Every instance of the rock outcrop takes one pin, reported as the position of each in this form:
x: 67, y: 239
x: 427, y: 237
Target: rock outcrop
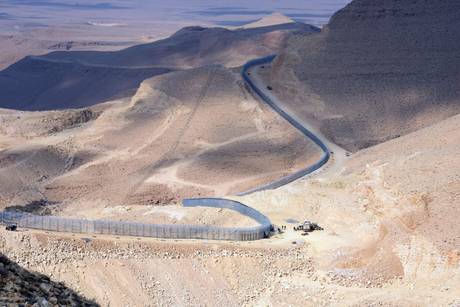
x: 19, y: 287
x: 380, y: 69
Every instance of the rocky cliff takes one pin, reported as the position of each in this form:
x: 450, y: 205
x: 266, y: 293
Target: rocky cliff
x: 380, y: 69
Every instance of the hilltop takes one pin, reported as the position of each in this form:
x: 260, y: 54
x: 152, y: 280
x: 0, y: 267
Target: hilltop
x: 270, y: 20
x: 390, y: 238
x: 381, y: 80
x: 158, y: 147
x: 66, y: 79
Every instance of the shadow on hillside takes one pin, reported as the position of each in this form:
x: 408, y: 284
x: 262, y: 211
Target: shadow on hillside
x: 19, y: 286
x: 78, y: 79
x: 37, y: 207
x: 37, y: 85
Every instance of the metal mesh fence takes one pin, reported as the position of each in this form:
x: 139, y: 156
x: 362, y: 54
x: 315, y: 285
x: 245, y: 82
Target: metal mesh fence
x: 167, y: 231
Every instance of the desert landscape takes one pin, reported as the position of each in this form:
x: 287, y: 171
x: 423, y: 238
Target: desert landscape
x: 126, y: 133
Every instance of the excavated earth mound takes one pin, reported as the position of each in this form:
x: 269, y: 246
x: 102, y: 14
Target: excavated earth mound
x: 379, y: 70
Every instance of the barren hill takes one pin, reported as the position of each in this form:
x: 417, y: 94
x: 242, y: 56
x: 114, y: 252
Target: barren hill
x: 389, y: 212
x: 33, y: 84
x: 193, y: 47
x: 61, y: 80
x: 390, y: 238
x: 380, y: 69
x: 270, y: 20
x: 184, y: 134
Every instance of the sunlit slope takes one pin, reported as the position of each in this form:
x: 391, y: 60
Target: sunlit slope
x: 62, y: 80
x: 390, y: 218
x: 184, y: 134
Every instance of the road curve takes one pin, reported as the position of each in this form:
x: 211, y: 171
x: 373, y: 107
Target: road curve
x: 189, y: 231
x: 296, y: 124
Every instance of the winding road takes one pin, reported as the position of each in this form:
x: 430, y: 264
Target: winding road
x: 245, y: 73
x: 249, y: 74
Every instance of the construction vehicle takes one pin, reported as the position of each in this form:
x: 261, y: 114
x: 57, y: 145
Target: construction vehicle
x: 307, y: 226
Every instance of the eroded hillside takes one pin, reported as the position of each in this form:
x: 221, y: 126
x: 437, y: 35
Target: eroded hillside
x: 390, y: 238
x: 184, y: 134
x: 65, y: 79
x: 379, y: 70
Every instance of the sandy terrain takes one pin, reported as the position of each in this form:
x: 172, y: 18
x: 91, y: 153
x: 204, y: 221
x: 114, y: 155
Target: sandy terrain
x: 167, y: 214
x: 38, y: 27
x: 260, y: 76
x: 389, y: 212
x: 15, y: 45
x: 192, y: 133
x: 76, y: 79
x: 380, y: 69
x: 390, y: 238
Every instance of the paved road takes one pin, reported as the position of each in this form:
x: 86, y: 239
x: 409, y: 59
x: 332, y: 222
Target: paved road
x: 195, y: 231
x: 250, y: 76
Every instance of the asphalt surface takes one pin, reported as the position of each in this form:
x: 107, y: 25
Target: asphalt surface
x: 294, y: 122
x: 244, y: 233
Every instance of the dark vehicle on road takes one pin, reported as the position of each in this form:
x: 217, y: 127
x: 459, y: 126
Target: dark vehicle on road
x: 269, y: 88
x: 11, y: 227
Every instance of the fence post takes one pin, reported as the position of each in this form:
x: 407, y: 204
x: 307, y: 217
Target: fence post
x: 172, y: 231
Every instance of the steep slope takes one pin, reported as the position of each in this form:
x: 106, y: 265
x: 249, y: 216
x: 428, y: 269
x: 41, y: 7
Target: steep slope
x: 19, y: 286
x: 184, y: 134
x: 195, y: 46
x: 391, y: 222
x: 33, y: 84
x: 391, y: 238
x: 380, y: 69
x: 61, y: 80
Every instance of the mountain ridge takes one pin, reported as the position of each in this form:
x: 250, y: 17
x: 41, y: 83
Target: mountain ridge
x: 78, y: 79
x: 378, y: 70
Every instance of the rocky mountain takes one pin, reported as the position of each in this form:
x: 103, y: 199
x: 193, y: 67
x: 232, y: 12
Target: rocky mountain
x: 78, y: 79
x: 380, y: 69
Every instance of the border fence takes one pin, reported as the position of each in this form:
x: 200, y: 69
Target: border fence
x: 177, y: 231
x: 167, y: 231
x: 299, y: 174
